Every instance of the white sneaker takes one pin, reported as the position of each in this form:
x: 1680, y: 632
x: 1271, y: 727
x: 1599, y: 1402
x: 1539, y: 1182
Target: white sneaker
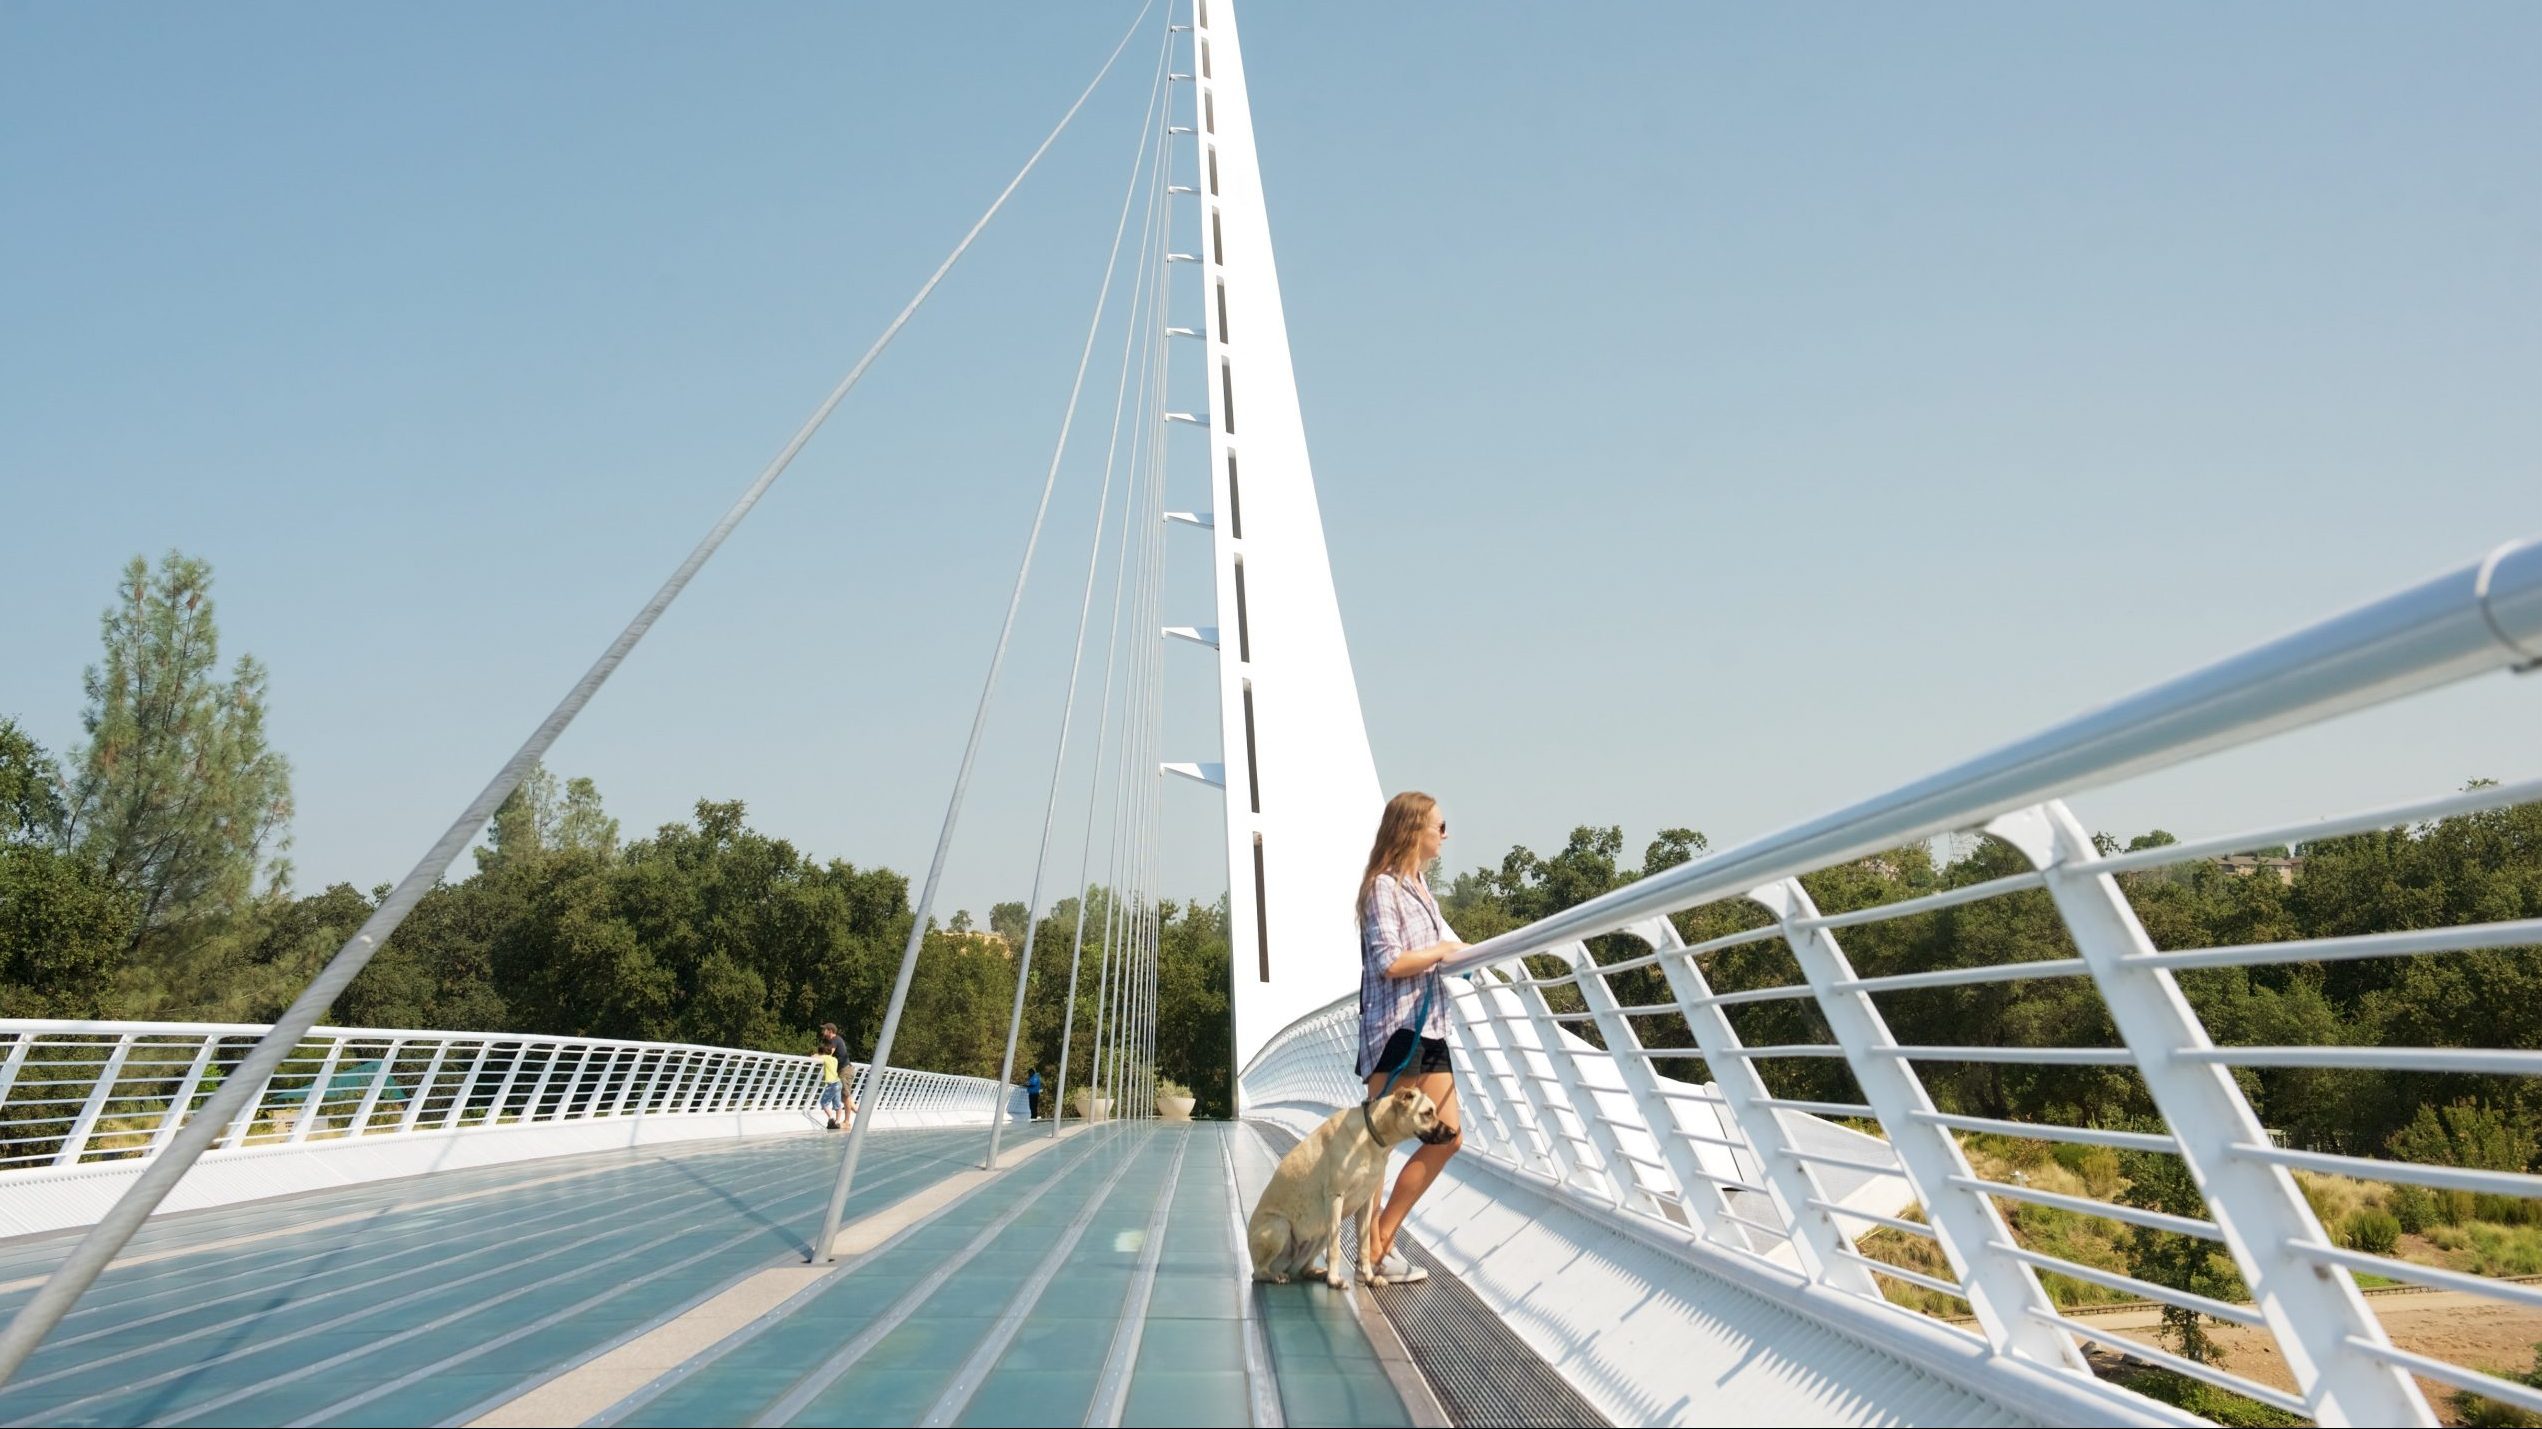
x: 1398, y: 1270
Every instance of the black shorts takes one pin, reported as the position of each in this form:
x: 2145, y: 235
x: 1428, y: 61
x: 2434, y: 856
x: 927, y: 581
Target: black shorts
x: 1433, y: 1056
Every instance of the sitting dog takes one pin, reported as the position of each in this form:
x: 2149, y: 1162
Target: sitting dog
x: 1339, y: 1166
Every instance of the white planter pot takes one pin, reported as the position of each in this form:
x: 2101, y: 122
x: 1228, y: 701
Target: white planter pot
x: 1175, y: 1108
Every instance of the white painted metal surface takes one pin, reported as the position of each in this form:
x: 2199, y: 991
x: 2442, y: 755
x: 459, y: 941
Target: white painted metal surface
x: 85, y: 1105
x: 1751, y: 1188
x: 1297, y: 780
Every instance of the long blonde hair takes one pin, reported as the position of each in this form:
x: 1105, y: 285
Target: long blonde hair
x: 1398, y: 837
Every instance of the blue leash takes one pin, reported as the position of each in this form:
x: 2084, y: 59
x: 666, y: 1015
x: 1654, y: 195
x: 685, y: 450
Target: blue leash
x: 1420, y: 1020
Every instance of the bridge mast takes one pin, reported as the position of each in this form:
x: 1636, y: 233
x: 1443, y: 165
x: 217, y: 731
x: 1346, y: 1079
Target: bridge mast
x: 1300, y: 786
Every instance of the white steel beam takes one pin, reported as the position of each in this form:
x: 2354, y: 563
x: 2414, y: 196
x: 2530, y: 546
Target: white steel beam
x: 2319, y: 1319
x: 2002, y: 1291
x: 1819, y: 1242
x: 1301, y: 790
x: 1696, y: 1190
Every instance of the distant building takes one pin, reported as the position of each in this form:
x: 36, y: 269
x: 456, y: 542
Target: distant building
x: 2243, y: 865
x: 985, y: 938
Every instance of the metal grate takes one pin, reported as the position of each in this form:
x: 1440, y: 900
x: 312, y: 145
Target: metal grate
x: 1478, y: 1368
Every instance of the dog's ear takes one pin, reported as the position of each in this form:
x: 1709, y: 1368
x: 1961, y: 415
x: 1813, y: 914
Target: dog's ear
x: 1405, y: 1096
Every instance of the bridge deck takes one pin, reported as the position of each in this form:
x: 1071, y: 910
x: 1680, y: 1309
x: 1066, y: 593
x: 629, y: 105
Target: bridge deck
x: 1098, y: 1282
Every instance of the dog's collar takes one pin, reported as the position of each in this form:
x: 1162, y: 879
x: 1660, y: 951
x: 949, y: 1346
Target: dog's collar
x: 1370, y: 1122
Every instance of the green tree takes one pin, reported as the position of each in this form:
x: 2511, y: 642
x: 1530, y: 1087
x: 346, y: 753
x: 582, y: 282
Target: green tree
x: 31, y: 807
x: 539, y: 817
x: 62, y: 922
x: 2159, y: 1181
x: 177, y: 797
x: 1007, y: 920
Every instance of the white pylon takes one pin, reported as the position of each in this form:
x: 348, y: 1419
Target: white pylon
x: 1299, y: 783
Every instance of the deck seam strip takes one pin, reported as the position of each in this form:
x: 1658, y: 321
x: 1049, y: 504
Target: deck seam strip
x: 158, y: 1349
x: 1112, y: 1389
x: 491, y: 1409
x: 1262, y: 1389
x: 799, y: 1396
x: 896, y: 1176
x: 601, y: 1376
x: 983, y: 1358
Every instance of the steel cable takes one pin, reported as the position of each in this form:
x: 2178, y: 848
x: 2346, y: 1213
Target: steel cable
x: 822, y: 1247
x: 116, y: 1228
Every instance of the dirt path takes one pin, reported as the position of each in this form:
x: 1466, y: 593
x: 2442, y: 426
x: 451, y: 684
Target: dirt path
x: 2448, y: 1325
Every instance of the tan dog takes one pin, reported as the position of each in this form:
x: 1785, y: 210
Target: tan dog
x: 1340, y: 1165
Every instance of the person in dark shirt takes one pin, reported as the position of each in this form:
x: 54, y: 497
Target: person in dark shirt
x: 836, y: 1046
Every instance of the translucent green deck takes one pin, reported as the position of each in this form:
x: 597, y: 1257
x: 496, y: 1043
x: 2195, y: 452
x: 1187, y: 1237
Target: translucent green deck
x: 1102, y: 1277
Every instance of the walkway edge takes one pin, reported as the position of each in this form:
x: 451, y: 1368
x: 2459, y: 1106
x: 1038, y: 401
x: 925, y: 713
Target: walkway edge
x: 1396, y: 1360
x: 596, y: 1385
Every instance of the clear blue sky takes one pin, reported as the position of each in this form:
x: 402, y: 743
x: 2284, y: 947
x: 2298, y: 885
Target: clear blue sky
x: 1720, y: 412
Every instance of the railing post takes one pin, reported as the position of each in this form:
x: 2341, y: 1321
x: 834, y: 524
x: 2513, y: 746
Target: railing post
x: 594, y: 1059
x: 1966, y: 1223
x: 467, y: 1085
x: 1820, y: 1243
x: 76, y: 1140
x: 243, y: 1125
x: 727, y: 1066
x: 1697, y: 1191
x: 737, y: 1068
x: 503, y: 1089
x: 538, y: 1089
x: 1527, y: 1083
x: 17, y: 1058
x: 180, y: 1105
x: 423, y: 1091
x: 1531, y: 1146
x: 628, y: 1082
x: 682, y: 1062
x: 572, y: 1078
x: 316, y: 1095
x: 371, y: 1095
x: 701, y: 1071
x: 1622, y: 1187
x: 2312, y: 1310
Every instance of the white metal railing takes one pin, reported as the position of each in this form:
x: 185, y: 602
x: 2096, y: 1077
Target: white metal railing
x: 1740, y: 1169
x: 81, y: 1093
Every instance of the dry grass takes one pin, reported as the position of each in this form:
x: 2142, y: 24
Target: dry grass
x: 2475, y: 1247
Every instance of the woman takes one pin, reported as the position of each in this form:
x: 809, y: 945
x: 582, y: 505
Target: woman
x: 1403, y: 1001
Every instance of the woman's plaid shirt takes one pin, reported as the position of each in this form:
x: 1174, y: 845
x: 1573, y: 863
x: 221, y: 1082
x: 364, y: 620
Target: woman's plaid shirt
x: 1400, y: 917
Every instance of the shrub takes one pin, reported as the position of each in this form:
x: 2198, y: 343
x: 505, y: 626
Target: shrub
x: 2333, y: 1198
x: 2455, y: 1207
x: 2020, y: 1153
x: 2506, y: 1210
x: 2467, y: 1133
x: 2486, y: 1413
x: 2205, y: 1400
x: 2095, y: 1166
x: 2372, y: 1231
x: 2414, y: 1207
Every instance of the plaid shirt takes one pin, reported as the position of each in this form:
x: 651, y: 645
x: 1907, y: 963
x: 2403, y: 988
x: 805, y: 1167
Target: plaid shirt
x: 1400, y: 917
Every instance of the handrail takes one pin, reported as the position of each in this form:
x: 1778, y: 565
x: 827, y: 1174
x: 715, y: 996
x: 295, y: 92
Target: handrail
x: 79, y: 1093
x: 2482, y: 616
x: 1741, y: 1172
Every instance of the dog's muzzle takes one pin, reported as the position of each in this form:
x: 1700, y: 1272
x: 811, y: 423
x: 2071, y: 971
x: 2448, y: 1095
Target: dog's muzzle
x: 1438, y: 1135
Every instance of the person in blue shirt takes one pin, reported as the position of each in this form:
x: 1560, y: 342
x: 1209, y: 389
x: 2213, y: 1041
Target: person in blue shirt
x: 1033, y: 1095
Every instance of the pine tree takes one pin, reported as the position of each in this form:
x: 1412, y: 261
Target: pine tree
x: 177, y: 799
